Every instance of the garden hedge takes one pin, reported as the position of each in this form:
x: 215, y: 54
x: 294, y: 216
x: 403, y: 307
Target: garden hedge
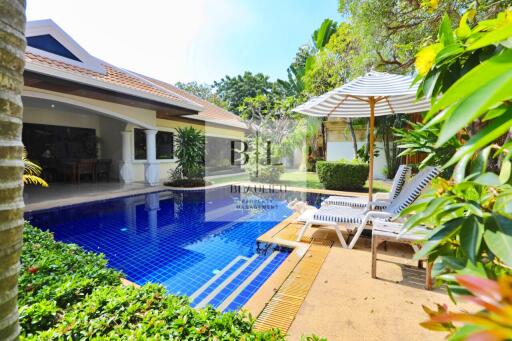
x: 342, y: 175
x: 68, y: 293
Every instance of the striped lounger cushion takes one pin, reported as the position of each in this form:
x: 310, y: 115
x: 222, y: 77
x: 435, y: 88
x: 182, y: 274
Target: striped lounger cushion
x: 351, y: 201
x: 338, y: 214
x: 399, y: 180
x: 409, y: 195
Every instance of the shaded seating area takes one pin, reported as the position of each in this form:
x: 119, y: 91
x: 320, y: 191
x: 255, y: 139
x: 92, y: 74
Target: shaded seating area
x: 66, y: 154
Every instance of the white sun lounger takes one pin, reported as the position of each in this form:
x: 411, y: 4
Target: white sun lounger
x: 357, y: 220
x: 381, y: 201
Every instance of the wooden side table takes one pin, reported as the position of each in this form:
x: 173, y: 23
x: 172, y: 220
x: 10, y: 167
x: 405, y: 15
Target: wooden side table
x: 390, y: 231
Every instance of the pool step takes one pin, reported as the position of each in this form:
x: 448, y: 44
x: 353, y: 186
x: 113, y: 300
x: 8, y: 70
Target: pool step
x: 219, y: 274
x: 228, y: 280
x: 247, y: 281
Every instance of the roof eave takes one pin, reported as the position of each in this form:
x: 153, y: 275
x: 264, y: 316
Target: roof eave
x: 241, y: 125
x: 37, y: 68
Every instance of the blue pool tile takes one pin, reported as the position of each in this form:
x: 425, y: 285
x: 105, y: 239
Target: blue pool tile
x: 169, y: 238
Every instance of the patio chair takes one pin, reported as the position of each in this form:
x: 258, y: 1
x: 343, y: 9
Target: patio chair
x: 358, y: 219
x: 86, y: 167
x: 381, y: 200
x: 103, y: 169
x: 384, y: 231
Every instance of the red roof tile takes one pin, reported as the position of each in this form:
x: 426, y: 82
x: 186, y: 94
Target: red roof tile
x: 112, y: 75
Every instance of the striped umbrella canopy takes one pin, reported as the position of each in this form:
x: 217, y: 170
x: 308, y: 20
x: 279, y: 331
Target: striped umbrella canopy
x: 374, y: 94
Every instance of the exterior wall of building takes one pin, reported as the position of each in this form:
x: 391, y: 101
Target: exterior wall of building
x: 135, y: 115
x: 344, y: 150
x: 109, y: 121
x: 339, y: 145
x: 58, y: 117
x: 207, y: 128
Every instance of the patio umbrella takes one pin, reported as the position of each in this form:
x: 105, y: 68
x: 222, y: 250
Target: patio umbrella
x: 374, y: 94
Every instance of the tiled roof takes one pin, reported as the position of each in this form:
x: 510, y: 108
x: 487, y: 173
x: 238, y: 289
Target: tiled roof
x: 210, y: 113
x: 113, y: 75
x: 120, y: 77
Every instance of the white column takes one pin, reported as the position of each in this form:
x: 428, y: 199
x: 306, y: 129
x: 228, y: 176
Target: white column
x: 152, y: 207
x: 125, y: 165
x: 151, y: 168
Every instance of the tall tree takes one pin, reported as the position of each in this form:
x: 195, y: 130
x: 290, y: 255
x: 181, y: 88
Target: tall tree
x: 294, y: 86
x: 203, y: 91
x: 234, y: 90
x: 12, y: 47
x: 335, y: 63
x: 390, y: 32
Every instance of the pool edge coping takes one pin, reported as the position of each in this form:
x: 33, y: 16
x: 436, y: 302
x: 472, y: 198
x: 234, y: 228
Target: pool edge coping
x: 264, y: 294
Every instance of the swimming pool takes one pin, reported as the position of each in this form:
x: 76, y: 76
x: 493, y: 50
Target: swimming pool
x: 200, y: 243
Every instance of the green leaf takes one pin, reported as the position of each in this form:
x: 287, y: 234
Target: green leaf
x: 473, y: 80
x: 439, y: 235
x: 449, y: 51
x: 473, y: 269
x: 503, y: 204
x: 494, y: 113
x: 464, y: 332
x: 471, y: 237
x: 488, y: 134
x: 430, y: 83
x: 498, y: 237
x: 488, y: 179
x: 479, y: 164
x: 446, y: 35
x: 459, y: 172
x: 506, y: 168
x: 492, y: 37
x: 489, y: 95
x: 464, y: 30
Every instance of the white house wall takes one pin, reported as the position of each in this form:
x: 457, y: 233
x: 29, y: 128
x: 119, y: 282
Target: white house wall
x: 344, y: 150
x: 56, y: 116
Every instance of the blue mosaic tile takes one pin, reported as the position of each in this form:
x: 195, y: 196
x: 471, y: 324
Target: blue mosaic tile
x: 168, y: 238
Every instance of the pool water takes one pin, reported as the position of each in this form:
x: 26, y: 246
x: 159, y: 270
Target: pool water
x: 200, y: 243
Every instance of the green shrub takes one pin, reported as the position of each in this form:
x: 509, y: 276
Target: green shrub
x: 265, y: 173
x: 342, y: 175
x: 187, y: 183
x: 148, y: 312
x: 190, y: 152
x: 54, y: 276
x: 68, y: 293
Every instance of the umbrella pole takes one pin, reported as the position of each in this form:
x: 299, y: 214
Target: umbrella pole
x: 372, y: 142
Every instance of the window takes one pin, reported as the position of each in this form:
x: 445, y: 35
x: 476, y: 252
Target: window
x: 164, y: 145
x: 48, y: 43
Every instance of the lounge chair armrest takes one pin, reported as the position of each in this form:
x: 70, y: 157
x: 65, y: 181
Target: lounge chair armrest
x: 379, y: 202
x: 381, y: 196
x: 370, y: 215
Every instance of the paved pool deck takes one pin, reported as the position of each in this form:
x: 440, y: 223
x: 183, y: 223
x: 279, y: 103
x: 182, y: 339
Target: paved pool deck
x: 343, y: 302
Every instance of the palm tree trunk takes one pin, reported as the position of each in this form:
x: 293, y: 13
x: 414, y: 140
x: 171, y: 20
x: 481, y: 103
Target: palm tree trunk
x: 12, y: 47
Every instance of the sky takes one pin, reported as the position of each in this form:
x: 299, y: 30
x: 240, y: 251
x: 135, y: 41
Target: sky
x: 190, y: 40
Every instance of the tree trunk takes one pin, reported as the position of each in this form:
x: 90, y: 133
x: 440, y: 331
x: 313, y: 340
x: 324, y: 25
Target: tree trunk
x: 12, y: 47
x: 353, y: 135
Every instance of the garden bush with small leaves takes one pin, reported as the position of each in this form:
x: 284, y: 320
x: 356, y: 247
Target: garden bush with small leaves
x: 342, y: 175
x: 69, y: 293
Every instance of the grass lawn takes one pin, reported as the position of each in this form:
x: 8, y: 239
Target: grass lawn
x: 301, y: 179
